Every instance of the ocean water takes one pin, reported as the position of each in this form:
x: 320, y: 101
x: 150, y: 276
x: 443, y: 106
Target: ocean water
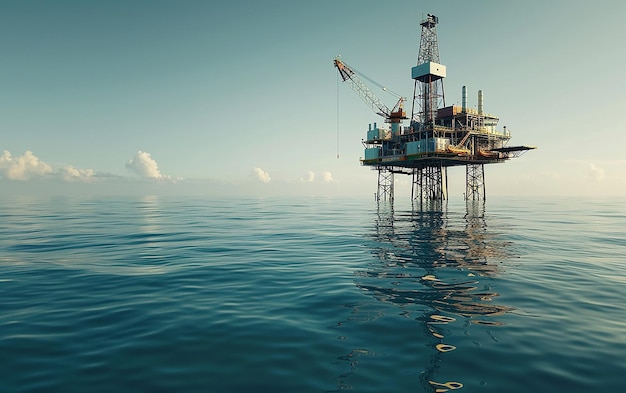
x: 156, y: 294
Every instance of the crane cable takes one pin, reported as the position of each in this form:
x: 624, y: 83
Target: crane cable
x: 385, y: 89
x: 338, y: 115
x: 393, y: 93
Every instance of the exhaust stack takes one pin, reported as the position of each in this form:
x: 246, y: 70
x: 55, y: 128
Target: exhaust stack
x: 464, y: 102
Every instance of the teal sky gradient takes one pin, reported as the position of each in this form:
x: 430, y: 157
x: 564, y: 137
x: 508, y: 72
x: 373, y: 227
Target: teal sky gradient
x: 213, y: 90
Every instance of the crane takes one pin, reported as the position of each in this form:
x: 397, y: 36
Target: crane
x: 348, y: 74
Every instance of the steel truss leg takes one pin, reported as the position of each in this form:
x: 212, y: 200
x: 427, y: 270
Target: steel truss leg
x: 430, y: 184
x: 385, y: 184
x: 475, y: 182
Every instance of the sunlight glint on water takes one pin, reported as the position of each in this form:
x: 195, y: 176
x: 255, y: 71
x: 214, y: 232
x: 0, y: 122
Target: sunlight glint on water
x: 311, y: 295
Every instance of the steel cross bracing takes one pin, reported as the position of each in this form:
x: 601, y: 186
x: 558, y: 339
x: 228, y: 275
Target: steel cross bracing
x: 475, y: 182
x: 430, y: 184
x: 429, y: 48
x: 385, y: 184
x: 426, y: 94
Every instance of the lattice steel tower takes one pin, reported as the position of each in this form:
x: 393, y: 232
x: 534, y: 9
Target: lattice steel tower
x: 429, y: 182
x: 428, y: 75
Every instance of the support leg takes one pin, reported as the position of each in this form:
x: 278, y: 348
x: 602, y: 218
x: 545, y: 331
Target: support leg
x: 430, y: 184
x: 385, y: 184
x: 475, y: 182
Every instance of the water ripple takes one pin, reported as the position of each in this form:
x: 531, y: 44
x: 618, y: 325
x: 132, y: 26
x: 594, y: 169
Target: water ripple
x: 157, y: 294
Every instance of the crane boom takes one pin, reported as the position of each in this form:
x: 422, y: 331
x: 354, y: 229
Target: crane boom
x: 360, y: 88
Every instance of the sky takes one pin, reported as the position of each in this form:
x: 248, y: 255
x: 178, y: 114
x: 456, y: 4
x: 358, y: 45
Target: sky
x: 240, y: 97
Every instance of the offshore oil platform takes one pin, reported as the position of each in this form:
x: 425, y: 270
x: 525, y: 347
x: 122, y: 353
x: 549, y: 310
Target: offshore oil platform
x: 437, y: 137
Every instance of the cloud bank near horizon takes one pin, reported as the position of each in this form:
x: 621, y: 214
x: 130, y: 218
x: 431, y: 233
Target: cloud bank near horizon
x: 261, y: 175
x: 69, y: 173
x: 145, y: 166
x: 595, y: 174
x: 28, y: 167
x: 23, y: 167
x: 327, y: 177
x: 310, y: 177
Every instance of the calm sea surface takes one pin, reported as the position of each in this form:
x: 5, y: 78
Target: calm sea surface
x: 159, y: 294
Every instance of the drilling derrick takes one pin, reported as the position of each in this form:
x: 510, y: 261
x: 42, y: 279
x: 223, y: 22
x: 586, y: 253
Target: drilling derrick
x: 428, y: 75
x: 429, y: 181
x: 437, y: 137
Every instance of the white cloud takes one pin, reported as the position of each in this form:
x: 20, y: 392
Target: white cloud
x: 595, y: 174
x: 22, y: 167
x: 312, y: 177
x: 263, y: 176
x: 69, y: 173
x: 28, y: 166
x: 309, y: 177
x: 145, y: 166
